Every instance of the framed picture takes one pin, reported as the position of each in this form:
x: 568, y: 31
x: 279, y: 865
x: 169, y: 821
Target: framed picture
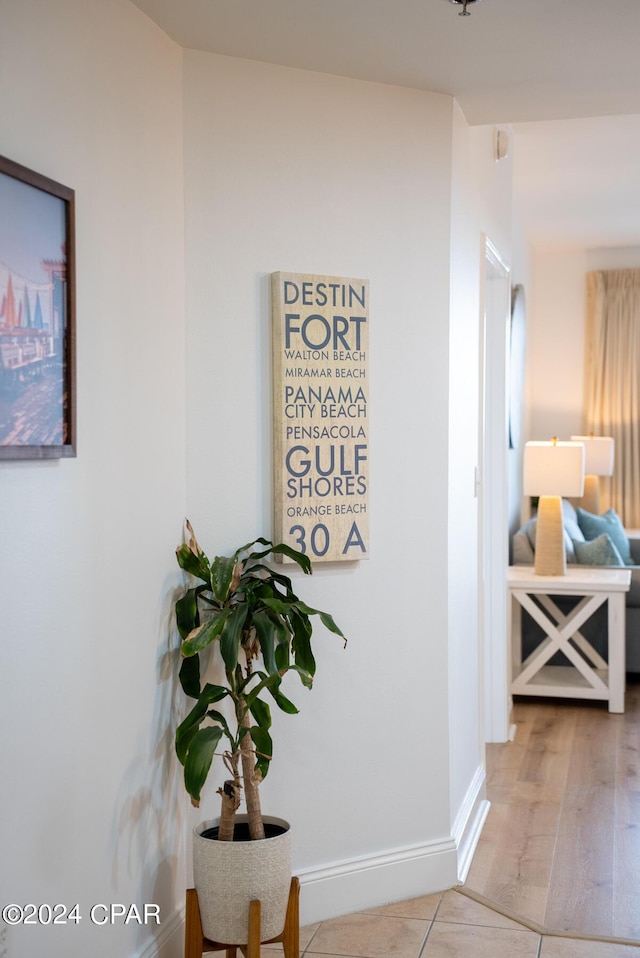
x: 37, y: 316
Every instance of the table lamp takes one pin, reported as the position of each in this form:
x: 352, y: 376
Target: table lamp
x: 552, y: 470
x: 599, y: 456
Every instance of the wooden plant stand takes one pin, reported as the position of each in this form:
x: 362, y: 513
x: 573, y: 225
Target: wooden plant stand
x: 196, y: 945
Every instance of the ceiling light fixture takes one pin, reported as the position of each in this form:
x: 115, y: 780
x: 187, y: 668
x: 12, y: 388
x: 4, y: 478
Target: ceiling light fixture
x: 464, y: 4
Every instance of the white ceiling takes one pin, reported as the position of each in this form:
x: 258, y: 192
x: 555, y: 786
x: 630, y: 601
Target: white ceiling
x: 577, y: 181
x: 511, y: 61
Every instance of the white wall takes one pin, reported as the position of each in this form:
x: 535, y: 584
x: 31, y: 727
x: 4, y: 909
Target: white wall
x: 480, y: 204
x: 521, y: 274
x: 90, y: 96
x: 555, y: 356
x: 291, y: 170
x: 464, y: 689
x: 616, y: 257
x: 555, y: 361
x: 283, y: 169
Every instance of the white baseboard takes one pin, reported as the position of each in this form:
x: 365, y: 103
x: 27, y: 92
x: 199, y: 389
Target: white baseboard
x: 169, y: 943
x: 469, y: 822
x: 374, y: 880
x: 346, y: 887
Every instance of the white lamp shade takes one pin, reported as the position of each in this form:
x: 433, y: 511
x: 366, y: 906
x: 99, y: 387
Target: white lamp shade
x: 553, y: 469
x: 599, y: 454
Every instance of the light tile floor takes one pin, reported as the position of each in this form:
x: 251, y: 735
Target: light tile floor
x: 447, y: 925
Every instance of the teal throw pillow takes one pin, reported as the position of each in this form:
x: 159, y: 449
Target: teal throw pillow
x: 598, y: 551
x: 610, y: 523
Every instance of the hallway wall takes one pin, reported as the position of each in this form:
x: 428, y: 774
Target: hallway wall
x: 90, y: 96
x: 296, y: 171
x: 283, y: 169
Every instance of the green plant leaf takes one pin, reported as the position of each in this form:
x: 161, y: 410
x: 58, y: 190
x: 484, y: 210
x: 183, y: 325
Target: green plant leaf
x: 213, y: 693
x: 187, y: 613
x: 231, y: 636
x: 258, y: 572
x: 305, y: 677
x: 266, y: 632
x: 251, y: 590
x: 283, y: 632
x: 218, y: 717
x: 276, y: 549
x: 283, y: 702
x: 201, y: 637
x: 266, y: 682
x: 222, y: 577
x: 303, y: 560
x: 183, y: 740
x: 280, y: 606
x: 264, y: 748
x: 261, y: 713
x: 281, y: 549
x: 190, y: 676
x: 328, y: 622
x: 301, y: 644
x: 184, y: 732
x: 325, y: 618
x: 202, y: 748
x: 283, y: 659
x: 249, y: 549
x: 240, y: 600
x: 188, y: 728
x: 197, y: 565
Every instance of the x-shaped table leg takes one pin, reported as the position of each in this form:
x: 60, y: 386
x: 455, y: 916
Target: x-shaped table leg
x: 558, y: 637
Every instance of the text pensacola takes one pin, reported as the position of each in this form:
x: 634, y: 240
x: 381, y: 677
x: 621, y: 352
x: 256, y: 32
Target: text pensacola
x: 113, y: 914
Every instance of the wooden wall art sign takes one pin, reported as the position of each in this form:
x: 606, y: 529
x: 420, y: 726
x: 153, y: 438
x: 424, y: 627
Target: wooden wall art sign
x: 320, y: 348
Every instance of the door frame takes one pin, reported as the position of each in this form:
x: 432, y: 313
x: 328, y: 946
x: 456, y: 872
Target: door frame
x: 493, y: 525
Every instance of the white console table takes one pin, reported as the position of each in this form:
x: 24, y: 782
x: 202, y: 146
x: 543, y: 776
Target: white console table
x: 588, y: 676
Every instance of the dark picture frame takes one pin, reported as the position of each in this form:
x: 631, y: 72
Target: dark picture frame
x: 37, y: 316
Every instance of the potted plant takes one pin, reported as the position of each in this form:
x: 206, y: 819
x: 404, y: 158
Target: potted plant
x: 263, y: 631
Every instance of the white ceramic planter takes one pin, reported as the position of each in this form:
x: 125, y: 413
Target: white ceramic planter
x: 228, y: 875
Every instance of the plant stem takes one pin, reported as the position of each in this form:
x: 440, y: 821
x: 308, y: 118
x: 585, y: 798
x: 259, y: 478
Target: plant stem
x: 251, y: 782
x: 230, y: 795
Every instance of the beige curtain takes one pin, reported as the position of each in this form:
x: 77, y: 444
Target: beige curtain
x: 612, y: 387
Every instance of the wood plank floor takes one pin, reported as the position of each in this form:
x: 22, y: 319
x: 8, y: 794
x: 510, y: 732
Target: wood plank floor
x: 561, y: 845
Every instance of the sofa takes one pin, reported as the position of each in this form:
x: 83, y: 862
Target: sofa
x: 597, y: 541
